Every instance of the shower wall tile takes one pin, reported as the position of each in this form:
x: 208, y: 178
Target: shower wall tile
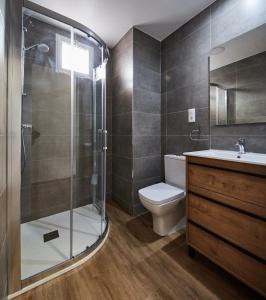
x: 48, y: 147
x: 50, y: 193
x: 49, y: 169
x: 3, y: 156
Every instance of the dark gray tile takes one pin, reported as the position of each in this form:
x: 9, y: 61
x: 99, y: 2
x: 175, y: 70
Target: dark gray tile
x: 163, y: 124
x: 146, y: 57
x: 146, y: 101
x: 122, y: 61
x: 146, y: 124
x: 121, y: 101
x: 180, y: 144
x: 138, y: 209
x: 122, y: 145
x: 122, y: 193
x: 147, y: 79
x: 122, y: 167
x: 196, y: 95
x: 147, y: 167
x: 253, y: 143
x: 188, y: 73
x: 164, y: 103
x: 195, y: 45
x: 164, y: 80
x: 145, y: 40
x: 122, y: 188
x: 177, y: 123
x: 122, y: 124
x: 123, y: 82
x: 163, y: 57
x: 125, y: 42
x: 146, y: 146
x: 239, y: 130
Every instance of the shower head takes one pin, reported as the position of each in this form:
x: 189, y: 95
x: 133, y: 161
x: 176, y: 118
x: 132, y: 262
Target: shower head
x: 43, y: 48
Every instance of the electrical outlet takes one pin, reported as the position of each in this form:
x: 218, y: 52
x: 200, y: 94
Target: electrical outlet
x: 191, y: 115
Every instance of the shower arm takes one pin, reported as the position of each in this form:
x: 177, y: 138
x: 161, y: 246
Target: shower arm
x: 30, y: 47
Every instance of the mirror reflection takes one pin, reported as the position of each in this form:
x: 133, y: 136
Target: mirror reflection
x: 238, y: 80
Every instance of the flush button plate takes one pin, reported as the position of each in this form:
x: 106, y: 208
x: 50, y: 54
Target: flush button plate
x: 191, y: 115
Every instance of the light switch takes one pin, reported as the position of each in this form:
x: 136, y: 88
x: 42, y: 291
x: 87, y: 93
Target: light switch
x: 191, y: 115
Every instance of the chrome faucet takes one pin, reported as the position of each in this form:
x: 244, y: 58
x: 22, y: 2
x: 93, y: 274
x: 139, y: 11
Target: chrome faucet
x: 241, y: 145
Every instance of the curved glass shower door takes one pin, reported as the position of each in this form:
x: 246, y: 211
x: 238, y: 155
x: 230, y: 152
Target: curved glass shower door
x: 62, y: 143
x: 89, y: 201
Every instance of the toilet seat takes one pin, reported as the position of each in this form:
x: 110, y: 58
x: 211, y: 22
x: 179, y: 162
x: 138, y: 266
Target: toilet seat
x: 161, y: 193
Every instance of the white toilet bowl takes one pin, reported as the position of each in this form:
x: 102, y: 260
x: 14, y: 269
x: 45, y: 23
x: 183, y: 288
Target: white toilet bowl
x: 166, y: 201
x: 167, y: 205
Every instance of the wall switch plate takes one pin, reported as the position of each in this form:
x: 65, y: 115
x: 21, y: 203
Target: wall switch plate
x: 191, y: 115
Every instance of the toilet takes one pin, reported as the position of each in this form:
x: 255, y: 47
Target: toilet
x: 166, y: 201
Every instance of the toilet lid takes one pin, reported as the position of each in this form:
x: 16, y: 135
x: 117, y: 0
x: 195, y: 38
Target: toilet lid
x: 161, y: 193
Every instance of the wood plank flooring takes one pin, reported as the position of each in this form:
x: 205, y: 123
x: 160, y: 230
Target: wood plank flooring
x: 137, y: 264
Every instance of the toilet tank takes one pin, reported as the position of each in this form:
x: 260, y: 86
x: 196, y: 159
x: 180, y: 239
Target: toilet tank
x: 175, y: 170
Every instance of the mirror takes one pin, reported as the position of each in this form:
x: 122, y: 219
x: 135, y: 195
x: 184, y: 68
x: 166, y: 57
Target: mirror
x: 237, y: 73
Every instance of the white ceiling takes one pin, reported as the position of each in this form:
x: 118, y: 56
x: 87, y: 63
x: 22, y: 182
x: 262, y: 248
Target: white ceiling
x: 111, y: 19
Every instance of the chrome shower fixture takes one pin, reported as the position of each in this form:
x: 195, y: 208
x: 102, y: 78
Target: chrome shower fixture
x: 43, y: 48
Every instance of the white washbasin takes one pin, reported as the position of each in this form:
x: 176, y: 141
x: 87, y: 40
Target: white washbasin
x: 249, y: 157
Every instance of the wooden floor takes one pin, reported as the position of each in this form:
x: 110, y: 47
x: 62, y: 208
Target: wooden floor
x: 137, y: 264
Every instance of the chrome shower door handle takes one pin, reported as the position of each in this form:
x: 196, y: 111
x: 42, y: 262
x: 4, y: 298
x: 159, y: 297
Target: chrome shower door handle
x: 102, y: 138
x: 105, y: 140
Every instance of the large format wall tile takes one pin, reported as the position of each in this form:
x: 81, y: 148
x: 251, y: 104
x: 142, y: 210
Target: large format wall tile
x: 146, y: 123
x: 146, y: 145
x: 3, y: 156
x: 185, y: 76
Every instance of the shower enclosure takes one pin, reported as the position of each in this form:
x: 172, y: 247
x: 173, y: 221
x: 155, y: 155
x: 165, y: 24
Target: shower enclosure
x: 63, y: 141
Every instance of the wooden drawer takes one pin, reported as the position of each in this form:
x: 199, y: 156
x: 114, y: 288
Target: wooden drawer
x: 243, y: 191
x: 245, y: 231
x: 246, y: 268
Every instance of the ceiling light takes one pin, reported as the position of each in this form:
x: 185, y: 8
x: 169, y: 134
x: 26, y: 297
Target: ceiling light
x: 217, y: 50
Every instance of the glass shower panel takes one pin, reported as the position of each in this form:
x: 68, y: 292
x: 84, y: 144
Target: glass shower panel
x: 46, y: 145
x: 87, y: 203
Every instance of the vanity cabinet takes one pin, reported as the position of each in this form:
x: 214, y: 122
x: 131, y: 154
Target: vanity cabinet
x: 226, y: 213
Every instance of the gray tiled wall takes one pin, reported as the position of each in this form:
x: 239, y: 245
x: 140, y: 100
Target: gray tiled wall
x: 185, y: 77
x: 136, y: 117
x: 146, y: 113
x: 122, y: 93
x: 3, y: 157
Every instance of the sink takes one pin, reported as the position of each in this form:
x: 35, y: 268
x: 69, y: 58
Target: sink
x: 249, y: 157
